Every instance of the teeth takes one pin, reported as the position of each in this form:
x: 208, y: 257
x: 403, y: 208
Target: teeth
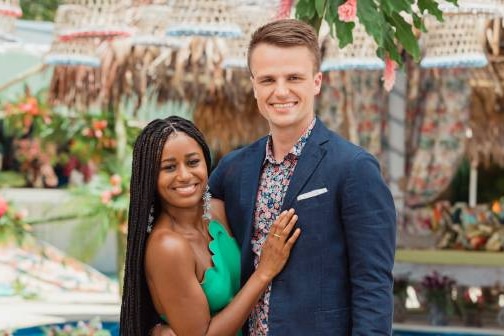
x: 287, y: 105
x: 185, y: 189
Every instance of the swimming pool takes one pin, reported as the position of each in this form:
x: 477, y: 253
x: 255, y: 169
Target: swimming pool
x: 113, y: 328
x: 404, y: 332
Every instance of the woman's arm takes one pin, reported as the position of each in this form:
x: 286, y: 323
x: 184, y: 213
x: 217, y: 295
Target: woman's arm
x: 183, y: 300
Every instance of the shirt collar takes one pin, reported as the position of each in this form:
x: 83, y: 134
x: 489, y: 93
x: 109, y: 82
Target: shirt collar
x: 295, y: 150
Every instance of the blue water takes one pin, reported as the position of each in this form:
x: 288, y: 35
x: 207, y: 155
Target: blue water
x: 435, y: 333
x: 113, y: 327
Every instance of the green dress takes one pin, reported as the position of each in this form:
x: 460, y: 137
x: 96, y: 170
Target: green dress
x: 221, y: 282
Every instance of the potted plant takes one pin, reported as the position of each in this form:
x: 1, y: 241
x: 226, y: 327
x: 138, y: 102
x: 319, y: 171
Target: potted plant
x: 437, y: 293
x: 470, y: 302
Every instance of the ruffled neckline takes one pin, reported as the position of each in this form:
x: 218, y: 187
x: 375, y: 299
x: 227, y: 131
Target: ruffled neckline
x: 214, y: 229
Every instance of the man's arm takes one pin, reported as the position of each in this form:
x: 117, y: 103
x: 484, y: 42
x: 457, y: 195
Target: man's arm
x: 370, y: 226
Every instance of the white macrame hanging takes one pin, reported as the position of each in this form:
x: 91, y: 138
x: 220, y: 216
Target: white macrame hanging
x: 360, y: 54
x: 203, y: 18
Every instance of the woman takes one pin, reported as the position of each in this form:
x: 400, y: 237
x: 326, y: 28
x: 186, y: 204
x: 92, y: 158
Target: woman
x: 181, y: 266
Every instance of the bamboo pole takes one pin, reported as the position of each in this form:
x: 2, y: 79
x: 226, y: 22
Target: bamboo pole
x: 22, y: 76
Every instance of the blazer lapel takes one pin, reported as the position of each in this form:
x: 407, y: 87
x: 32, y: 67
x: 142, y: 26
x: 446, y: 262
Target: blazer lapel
x: 310, y: 158
x: 249, y: 185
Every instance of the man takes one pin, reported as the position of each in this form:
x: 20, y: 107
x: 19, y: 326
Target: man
x: 338, y: 280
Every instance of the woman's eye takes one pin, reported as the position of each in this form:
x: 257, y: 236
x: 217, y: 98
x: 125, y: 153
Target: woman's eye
x: 194, y: 162
x: 168, y: 167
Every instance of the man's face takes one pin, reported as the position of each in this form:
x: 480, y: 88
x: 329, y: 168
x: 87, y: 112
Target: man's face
x: 284, y: 85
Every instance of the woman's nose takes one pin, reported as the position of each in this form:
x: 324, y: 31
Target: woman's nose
x: 184, y: 172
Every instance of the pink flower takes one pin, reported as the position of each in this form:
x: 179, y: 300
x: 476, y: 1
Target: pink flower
x: 3, y: 207
x: 21, y: 214
x: 115, y: 180
x: 116, y: 190
x: 389, y: 74
x: 106, y: 197
x: 348, y: 11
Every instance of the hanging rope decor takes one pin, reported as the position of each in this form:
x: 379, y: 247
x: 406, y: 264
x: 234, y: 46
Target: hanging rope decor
x: 150, y: 22
x: 203, y: 18
x: 10, y: 8
x: 249, y: 18
x: 458, y: 42
x: 491, y: 8
x: 361, y: 54
x: 97, y: 18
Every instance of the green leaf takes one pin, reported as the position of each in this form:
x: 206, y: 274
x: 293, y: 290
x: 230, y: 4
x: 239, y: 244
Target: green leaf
x: 372, y: 19
x: 389, y: 46
x: 405, y: 35
x: 344, y: 32
x: 419, y: 23
x: 320, y: 7
x: 305, y: 10
x: 432, y: 7
x: 397, y: 6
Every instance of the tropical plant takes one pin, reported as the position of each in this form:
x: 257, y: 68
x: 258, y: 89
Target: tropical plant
x: 391, y: 23
x: 437, y: 291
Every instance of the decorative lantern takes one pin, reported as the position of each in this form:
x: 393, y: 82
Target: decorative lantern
x: 459, y: 41
x: 64, y: 51
x: 7, y: 25
x: 456, y: 42
x: 96, y: 18
x: 75, y: 52
x: 249, y: 19
x: 9, y: 12
x: 361, y: 54
x: 10, y: 8
x: 150, y: 22
x: 203, y: 18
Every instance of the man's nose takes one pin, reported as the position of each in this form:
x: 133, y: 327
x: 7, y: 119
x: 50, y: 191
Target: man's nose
x: 281, y: 89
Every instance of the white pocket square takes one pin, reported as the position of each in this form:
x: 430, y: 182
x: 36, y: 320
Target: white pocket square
x: 312, y: 193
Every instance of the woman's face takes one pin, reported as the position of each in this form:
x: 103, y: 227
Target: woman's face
x: 183, y: 172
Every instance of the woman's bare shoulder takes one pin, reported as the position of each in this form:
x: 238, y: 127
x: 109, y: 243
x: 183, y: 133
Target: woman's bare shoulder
x: 168, y: 246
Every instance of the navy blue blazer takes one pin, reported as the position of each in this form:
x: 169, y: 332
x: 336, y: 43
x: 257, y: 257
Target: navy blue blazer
x: 338, y: 279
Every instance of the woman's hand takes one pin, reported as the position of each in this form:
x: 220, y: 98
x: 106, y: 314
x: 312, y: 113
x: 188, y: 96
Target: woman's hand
x: 162, y: 330
x: 278, y: 245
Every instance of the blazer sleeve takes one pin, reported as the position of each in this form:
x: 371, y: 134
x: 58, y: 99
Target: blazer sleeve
x: 216, y: 180
x: 369, y: 219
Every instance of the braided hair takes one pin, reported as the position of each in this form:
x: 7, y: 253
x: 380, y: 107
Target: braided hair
x: 138, y: 315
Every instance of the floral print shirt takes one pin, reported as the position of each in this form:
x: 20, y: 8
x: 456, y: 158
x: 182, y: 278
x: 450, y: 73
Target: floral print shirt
x: 273, y: 185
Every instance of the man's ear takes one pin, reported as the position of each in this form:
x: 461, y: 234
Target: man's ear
x: 318, y: 83
x: 253, y: 86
